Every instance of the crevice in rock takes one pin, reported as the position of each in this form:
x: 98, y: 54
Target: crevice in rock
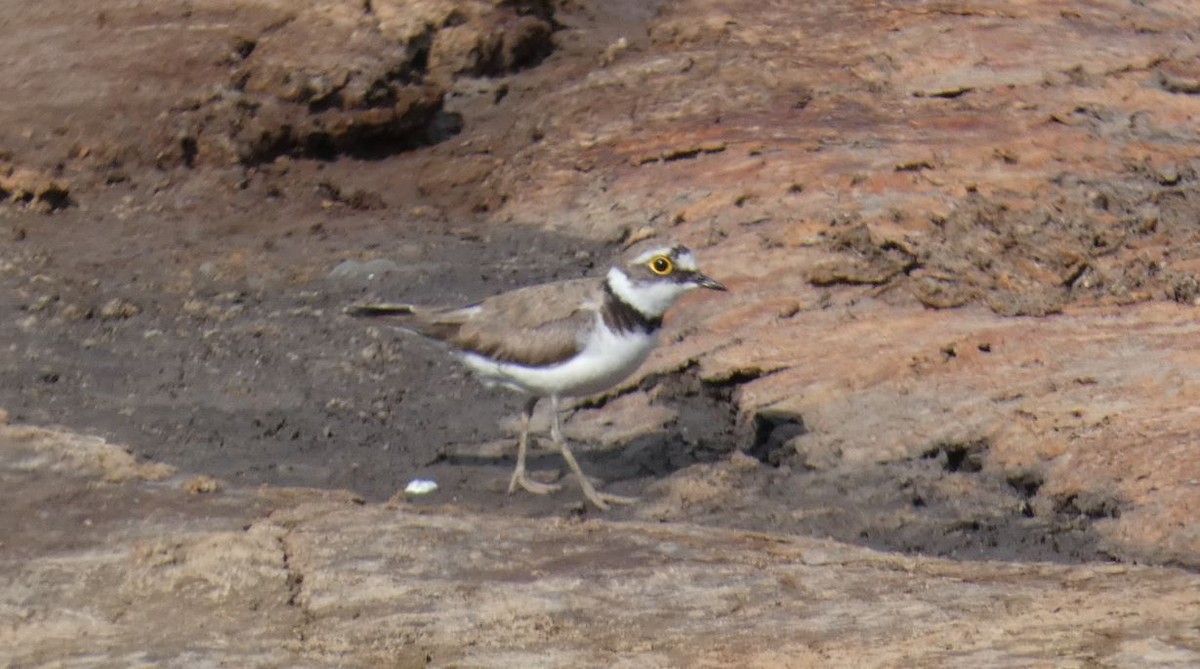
x: 1091, y: 505
x: 1026, y: 483
x: 773, y: 432
x: 295, y: 580
x: 959, y: 456
x: 295, y: 587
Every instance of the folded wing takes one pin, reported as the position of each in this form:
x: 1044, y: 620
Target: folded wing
x: 538, y: 325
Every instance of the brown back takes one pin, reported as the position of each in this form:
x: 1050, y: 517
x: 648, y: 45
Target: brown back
x: 537, y: 325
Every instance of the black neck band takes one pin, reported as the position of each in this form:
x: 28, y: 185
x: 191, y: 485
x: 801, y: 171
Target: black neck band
x: 620, y: 316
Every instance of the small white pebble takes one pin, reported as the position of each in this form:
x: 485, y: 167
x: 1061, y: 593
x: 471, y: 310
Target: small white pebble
x: 420, y: 487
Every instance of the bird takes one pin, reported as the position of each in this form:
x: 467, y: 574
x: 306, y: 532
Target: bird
x: 570, y: 338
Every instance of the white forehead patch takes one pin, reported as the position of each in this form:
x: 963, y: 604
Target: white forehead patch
x: 645, y: 257
x: 683, y: 257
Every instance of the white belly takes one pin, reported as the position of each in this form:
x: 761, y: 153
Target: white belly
x: 605, y: 360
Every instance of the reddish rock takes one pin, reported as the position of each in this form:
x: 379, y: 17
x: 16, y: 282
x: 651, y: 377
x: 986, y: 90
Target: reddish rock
x: 962, y: 256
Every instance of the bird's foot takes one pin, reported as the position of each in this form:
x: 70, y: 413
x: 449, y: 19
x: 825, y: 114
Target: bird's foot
x: 519, y: 479
x: 602, y: 500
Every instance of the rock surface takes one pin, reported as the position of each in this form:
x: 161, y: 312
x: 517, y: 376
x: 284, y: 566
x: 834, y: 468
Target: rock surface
x: 140, y: 574
x: 943, y: 417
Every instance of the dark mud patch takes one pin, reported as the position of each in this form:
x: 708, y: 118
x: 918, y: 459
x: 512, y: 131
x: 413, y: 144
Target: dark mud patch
x: 701, y: 432
x: 259, y: 380
x: 947, y: 502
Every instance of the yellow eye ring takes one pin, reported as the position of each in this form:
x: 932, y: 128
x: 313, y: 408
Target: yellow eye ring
x: 662, y: 265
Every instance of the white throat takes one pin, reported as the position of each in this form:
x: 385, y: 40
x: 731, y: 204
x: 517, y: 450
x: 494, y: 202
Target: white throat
x: 651, y: 298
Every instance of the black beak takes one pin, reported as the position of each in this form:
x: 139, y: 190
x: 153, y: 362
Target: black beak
x: 708, y: 282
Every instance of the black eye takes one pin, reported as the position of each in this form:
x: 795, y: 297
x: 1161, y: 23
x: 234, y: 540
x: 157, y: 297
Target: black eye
x: 661, y: 265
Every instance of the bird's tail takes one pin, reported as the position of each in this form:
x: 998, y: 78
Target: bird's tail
x: 378, y: 310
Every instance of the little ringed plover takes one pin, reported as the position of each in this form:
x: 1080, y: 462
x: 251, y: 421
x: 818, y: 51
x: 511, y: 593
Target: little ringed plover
x: 569, y: 338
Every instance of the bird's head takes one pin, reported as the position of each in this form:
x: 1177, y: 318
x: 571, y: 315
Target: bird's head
x: 652, y: 275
